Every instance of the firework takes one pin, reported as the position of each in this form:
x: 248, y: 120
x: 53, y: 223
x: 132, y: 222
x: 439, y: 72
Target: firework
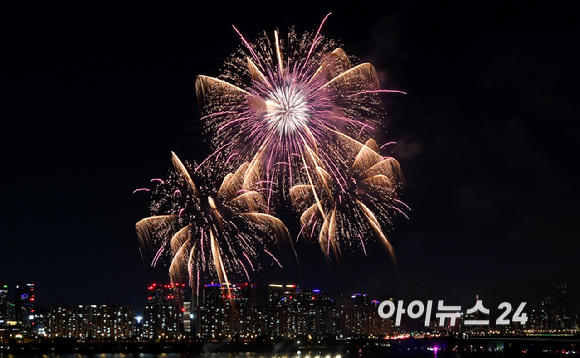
x: 289, y: 117
x: 278, y: 103
x: 338, y: 214
x: 208, y: 231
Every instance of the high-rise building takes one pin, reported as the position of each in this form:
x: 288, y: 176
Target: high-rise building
x: 24, y: 303
x: 249, y: 311
x: 534, y: 322
x: 3, y: 304
x: 163, y: 315
x: 359, y: 317
x: 187, y: 317
x: 211, y: 296
x: 564, y: 310
x: 94, y: 322
x: 40, y: 321
x: 173, y: 294
x: 547, y: 317
x: 315, y: 312
x: 11, y: 313
x: 275, y: 295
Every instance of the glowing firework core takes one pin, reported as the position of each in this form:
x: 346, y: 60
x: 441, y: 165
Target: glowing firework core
x: 286, y: 109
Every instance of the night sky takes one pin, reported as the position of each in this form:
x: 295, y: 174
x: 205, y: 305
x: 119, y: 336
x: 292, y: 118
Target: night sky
x: 95, y: 97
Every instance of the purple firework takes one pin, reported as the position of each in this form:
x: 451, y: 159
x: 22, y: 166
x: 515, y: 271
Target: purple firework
x: 284, y: 105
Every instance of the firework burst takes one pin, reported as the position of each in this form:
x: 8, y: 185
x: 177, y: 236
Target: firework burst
x: 209, y: 231
x: 278, y: 103
x: 346, y: 214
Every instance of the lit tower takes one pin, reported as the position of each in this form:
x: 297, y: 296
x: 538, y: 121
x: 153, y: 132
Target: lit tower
x: 24, y: 303
x: 162, y: 315
x: 3, y: 303
x: 564, y: 314
x: 547, y: 315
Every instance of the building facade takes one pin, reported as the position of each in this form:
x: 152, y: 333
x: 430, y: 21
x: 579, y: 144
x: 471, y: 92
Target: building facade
x: 249, y: 311
x: 3, y: 304
x: 24, y: 304
x: 91, y: 322
x: 163, y: 316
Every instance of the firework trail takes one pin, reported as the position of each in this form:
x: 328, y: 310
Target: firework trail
x: 209, y: 231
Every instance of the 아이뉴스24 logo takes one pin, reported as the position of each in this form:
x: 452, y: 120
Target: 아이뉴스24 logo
x: 416, y: 309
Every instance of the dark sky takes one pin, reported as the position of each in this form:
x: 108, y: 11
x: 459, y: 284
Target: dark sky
x: 95, y: 97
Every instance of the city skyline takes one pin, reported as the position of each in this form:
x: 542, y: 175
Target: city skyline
x: 555, y: 303
x: 96, y: 98
x: 252, y: 312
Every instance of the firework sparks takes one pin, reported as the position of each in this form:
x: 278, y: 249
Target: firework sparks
x: 208, y: 231
x: 339, y: 214
x: 277, y: 103
x: 141, y: 189
x: 289, y: 117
